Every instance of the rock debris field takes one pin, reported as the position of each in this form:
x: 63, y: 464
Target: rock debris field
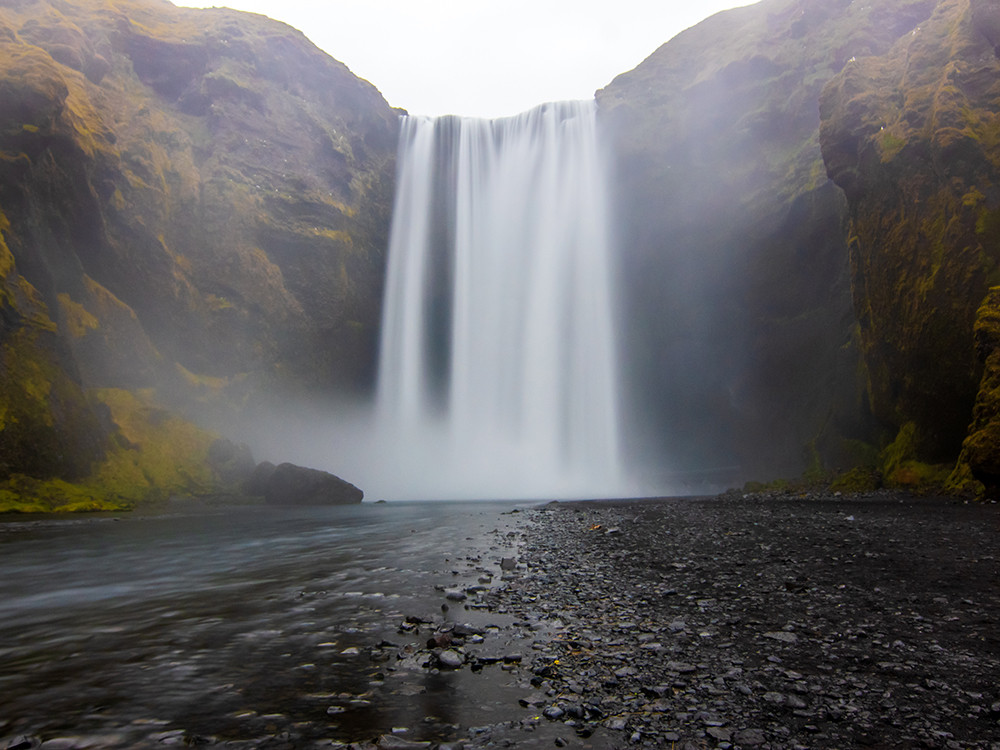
x: 745, y: 621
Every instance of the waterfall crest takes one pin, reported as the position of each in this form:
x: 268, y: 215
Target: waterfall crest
x: 498, y: 370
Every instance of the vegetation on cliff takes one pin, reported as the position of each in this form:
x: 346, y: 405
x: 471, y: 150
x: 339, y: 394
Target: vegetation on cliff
x: 193, y: 205
x: 735, y: 253
x: 913, y: 139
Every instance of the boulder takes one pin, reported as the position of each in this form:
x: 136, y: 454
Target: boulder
x: 289, y: 484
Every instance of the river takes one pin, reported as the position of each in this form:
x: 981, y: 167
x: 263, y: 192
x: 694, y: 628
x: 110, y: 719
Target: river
x: 249, y: 626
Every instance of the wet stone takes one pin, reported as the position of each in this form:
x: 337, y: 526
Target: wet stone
x: 450, y: 659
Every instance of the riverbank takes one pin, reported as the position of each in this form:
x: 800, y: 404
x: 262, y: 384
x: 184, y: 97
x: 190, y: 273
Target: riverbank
x: 766, y: 620
x: 743, y: 621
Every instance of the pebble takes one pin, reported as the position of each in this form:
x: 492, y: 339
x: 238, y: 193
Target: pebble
x: 451, y: 659
x: 660, y: 628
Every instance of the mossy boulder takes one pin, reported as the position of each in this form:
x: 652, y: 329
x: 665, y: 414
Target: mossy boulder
x: 912, y: 136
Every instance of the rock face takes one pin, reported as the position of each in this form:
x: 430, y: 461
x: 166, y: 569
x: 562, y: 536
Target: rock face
x: 192, y: 202
x: 288, y: 484
x: 911, y: 138
x: 981, y: 449
x: 735, y: 253
x: 194, y: 206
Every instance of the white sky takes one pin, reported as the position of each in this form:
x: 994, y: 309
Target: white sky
x: 485, y: 58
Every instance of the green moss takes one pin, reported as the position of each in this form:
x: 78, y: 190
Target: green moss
x: 901, y: 468
x: 962, y: 482
x: 777, y: 485
x: 157, y: 453
x: 22, y: 494
x: 890, y: 144
x: 858, y: 479
x: 77, y: 319
x: 859, y: 453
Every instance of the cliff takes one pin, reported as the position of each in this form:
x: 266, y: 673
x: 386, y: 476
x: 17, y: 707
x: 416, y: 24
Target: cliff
x: 912, y: 137
x: 193, y: 210
x: 743, y: 340
x: 194, y: 207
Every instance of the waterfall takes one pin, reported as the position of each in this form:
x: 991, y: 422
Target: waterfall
x: 498, y: 371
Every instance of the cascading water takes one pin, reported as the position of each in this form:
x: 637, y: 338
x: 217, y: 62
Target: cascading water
x: 497, y: 372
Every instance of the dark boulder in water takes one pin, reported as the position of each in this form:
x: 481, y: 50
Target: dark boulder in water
x: 289, y: 484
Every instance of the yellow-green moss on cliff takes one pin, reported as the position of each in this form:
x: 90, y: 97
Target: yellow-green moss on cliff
x: 153, y: 454
x: 734, y: 251
x: 194, y: 204
x: 912, y: 139
x: 978, y: 469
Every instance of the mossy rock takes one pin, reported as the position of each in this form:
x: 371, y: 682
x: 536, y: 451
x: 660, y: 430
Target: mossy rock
x: 902, y: 469
x: 153, y: 455
x: 21, y: 494
x: 856, y: 480
x: 735, y: 247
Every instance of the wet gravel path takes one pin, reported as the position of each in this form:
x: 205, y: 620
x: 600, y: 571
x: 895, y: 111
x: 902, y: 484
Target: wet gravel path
x: 763, y: 621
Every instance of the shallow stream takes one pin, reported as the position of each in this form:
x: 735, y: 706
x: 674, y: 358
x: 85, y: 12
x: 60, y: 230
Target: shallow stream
x: 240, y: 625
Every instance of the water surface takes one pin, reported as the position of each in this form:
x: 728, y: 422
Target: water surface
x: 233, y: 624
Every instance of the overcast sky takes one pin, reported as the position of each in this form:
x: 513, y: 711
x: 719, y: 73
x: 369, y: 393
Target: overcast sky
x: 485, y: 58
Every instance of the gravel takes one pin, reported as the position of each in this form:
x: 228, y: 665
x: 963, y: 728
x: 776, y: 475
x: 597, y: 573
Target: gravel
x: 756, y: 621
x: 766, y: 620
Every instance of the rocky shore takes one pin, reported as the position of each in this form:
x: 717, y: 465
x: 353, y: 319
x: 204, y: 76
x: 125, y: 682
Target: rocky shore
x: 743, y: 621
x: 772, y: 621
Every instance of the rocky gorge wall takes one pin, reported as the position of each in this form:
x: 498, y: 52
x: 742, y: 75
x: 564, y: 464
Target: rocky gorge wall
x: 911, y: 137
x: 193, y: 211
x: 808, y: 191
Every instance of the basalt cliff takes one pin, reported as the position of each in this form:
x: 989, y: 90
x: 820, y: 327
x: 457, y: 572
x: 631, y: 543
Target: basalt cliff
x: 193, y: 212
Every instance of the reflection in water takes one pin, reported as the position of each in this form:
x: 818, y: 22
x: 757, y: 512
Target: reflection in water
x: 234, y: 624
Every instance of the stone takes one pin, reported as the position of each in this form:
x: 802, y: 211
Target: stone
x: 391, y: 742
x: 289, y: 484
x: 719, y: 733
x: 553, y: 713
x: 681, y: 667
x: 750, y: 737
x: 451, y: 659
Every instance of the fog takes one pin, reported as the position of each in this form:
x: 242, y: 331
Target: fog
x: 498, y: 370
